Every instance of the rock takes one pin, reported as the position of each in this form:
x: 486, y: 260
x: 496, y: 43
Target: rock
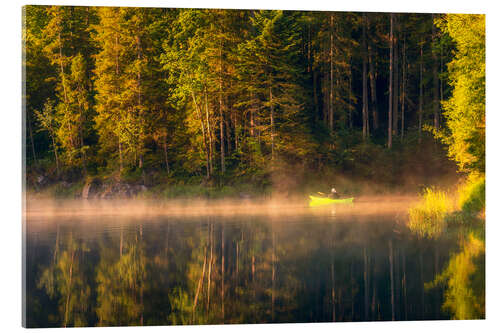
x: 65, y: 184
x: 245, y: 195
x: 41, y: 180
x: 90, y: 189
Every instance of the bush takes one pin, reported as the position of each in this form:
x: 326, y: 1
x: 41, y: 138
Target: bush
x: 472, y: 196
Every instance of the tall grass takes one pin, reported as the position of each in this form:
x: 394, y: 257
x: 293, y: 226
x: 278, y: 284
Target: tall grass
x: 436, y: 209
x: 428, y: 217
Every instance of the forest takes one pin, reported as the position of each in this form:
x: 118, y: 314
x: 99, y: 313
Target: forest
x: 206, y: 101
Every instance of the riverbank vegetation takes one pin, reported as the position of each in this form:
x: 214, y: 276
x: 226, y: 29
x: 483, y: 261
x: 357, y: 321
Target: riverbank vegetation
x: 463, y: 217
x: 209, y: 101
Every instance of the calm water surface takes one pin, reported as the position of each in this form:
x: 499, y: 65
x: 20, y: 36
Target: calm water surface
x: 292, y: 264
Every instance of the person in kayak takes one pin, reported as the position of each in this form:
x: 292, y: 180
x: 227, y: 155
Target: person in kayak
x: 333, y: 194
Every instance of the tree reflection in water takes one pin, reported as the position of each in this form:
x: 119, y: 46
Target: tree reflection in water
x: 214, y: 270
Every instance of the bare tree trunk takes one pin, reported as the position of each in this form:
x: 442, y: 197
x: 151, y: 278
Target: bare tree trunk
x: 421, y: 93
x: 120, y: 154
x: 84, y: 155
x: 395, y: 89
x: 403, y: 87
x: 209, y: 134
x: 441, y: 70
x: 365, y: 84
x: 165, y: 152
x: 373, y: 86
x: 31, y: 136
x: 435, y: 81
x: 222, y: 159
x: 55, y: 153
x: 330, y: 104
x: 207, y: 149
x: 315, y: 95
x: 117, y: 72
x: 141, y: 118
x: 389, y: 123
x: 272, y: 120
x: 252, y: 120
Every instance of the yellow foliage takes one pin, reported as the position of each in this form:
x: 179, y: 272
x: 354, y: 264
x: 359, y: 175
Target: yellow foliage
x: 427, y: 218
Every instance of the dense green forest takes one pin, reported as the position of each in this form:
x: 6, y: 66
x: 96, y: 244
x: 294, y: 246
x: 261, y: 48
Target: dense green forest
x: 264, y: 99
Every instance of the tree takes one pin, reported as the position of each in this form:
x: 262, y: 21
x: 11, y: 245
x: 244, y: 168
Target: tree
x: 391, y: 106
x: 48, y: 122
x: 464, y: 111
x: 66, y: 39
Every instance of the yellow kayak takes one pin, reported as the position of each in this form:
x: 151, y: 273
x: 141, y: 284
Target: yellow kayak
x: 322, y: 201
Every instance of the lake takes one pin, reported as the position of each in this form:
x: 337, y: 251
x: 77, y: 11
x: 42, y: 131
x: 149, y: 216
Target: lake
x: 129, y: 263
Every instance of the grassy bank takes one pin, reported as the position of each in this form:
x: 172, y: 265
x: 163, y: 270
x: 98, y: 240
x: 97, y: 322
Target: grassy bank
x: 458, y: 215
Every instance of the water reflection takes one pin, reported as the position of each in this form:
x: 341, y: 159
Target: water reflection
x: 244, y: 269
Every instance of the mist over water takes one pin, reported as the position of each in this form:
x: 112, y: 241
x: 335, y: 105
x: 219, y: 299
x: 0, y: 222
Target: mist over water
x: 199, y: 262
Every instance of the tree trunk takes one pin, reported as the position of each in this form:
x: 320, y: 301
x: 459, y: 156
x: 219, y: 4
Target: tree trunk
x: 252, y: 120
x: 222, y: 159
x: 373, y: 86
x: 55, y: 153
x: 117, y: 72
x: 389, y: 122
x: 84, y: 155
x: 421, y: 93
x: 395, y: 89
x: 365, y: 84
x: 30, y: 130
x: 403, y: 92
x: 315, y: 95
x: 120, y: 155
x: 330, y: 101
x: 272, y: 120
x: 209, y: 134
x: 207, y: 149
x: 435, y: 81
x: 165, y: 152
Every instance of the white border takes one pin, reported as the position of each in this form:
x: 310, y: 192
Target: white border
x: 10, y: 163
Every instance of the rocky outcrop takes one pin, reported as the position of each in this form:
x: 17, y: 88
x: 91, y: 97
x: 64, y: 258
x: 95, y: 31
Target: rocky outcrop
x: 119, y: 190
x: 91, y: 189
